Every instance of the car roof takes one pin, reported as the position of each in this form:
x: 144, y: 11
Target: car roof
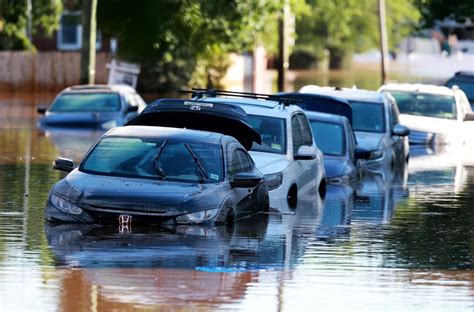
x: 257, y: 107
x: 99, y: 88
x: 464, y: 74
x: 337, y: 119
x: 186, y: 135
x: 350, y: 94
x: 417, y: 88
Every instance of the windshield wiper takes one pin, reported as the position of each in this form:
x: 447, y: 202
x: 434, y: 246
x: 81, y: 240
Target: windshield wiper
x: 202, y: 171
x: 161, y: 173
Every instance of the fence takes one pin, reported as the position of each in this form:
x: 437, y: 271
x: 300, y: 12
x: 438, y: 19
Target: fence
x: 45, y: 71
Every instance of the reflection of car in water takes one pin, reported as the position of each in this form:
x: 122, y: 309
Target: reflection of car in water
x: 375, y: 122
x: 440, y: 166
x: 97, y: 106
x: 156, y: 175
x: 435, y: 115
x: 149, y: 266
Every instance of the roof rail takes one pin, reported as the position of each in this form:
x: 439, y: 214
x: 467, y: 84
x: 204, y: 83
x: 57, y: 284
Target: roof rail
x: 200, y: 93
x: 464, y: 72
x: 86, y: 87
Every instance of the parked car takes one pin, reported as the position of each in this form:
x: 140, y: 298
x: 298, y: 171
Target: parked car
x: 284, y: 149
x: 375, y: 123
x: 343, y: 160
x: 330, y: 120
x: 465, y: 81
x: 435, y: 115
x: 92, y: 106
x: 159, y: 175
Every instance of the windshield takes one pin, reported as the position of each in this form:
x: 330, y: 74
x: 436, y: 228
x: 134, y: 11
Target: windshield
x: 161, y: 160
x: 272, y: 132
x: 368, y: 117
x: 329, y: 137
x: 86, y: 102
x: 425, y: 104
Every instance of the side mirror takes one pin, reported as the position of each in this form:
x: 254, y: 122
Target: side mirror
x: 305, y: 152
x: 131, y: 109
x: 469, y: 117
x: 400, y: 130
x: 41, y: 110
x: 64, y: 164
x: 245, y: 180
x: 362, y: 153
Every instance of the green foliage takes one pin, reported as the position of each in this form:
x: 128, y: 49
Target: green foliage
x: 347, y: 26
x: 13, y: 21
x: 172, y: 39
x: 432, y: 10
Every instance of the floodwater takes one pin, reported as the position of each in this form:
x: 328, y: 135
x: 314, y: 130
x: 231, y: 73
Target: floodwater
x: 393, y: 242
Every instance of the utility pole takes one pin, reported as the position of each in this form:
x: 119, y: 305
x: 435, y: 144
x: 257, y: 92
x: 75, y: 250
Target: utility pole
x: 283, y: 48
x: 383, y: 40
x: 29, y: 19
x: 89, y: 30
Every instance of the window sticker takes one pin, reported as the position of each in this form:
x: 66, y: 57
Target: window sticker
x: 276, y: 146
x: 214, y: 176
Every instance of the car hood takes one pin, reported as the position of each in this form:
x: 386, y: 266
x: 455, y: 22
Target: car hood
x: 368, y: 140
x: 77, y: 120
x: 269, y: 163
x: 137, y: 195
x: 429, y: 124
x: 226, y: 118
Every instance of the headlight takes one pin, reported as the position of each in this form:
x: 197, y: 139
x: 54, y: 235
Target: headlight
x: 109, y: 124
x: 64, y: 205
x: 376, y: 154
x: 274, y: 180
x: 197, y: 217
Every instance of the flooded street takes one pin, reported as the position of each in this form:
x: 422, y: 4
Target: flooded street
x: 393, y: 241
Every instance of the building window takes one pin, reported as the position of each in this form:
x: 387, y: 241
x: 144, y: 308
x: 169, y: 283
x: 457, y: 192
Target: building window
x: 70, y: 32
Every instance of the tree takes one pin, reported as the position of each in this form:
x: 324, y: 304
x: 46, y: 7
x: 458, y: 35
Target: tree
x: 174, y: 39
x: 13, y: 21
x: 347, y: 26
x: 432, y: 10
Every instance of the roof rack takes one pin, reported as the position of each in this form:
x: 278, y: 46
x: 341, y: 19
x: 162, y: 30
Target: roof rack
x: 200, y: 93
x: 88, y: 87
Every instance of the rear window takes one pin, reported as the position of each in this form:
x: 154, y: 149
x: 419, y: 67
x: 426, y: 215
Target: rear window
x: 425, y: 104
x: 138, y: 158
x: 86, y: 102
x: 272, y: 132
x: 329, y: 137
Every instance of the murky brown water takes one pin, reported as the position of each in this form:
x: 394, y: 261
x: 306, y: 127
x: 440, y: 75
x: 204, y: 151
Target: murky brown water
x: 390, y: 243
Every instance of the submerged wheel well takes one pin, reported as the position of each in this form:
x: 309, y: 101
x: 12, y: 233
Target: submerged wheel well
x: 292, y: 196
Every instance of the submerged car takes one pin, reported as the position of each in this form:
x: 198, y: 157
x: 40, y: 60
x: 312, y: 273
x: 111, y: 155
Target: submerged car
x: 376, y: 124
x: 343, y: 160
x: 435, y: 115
x: 465, y: 81
x: 92, y: 106
x: 159, y: 175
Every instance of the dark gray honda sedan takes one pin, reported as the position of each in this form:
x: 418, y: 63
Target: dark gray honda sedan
x: 144, y: 174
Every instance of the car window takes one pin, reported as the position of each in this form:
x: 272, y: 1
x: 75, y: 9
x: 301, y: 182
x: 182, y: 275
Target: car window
x: 301, y: 132
x: 86, y: 102
x: 272, y: 132
x: 329, y: 137
x: 368, y: 117
x: 426, y: 104
x: 138, y: 158
x: 240, y: 162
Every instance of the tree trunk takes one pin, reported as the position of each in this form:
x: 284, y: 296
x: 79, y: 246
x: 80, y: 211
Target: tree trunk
x: 89, y: 29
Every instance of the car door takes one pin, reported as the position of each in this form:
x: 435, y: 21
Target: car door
x: 397, y: 142
x: 306, y: 170
x: 240, y: 162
